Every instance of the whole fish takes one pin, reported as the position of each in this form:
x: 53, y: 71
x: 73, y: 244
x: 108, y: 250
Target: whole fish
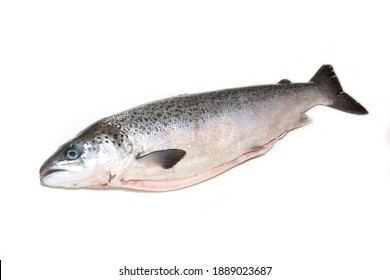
x: 180, y: 141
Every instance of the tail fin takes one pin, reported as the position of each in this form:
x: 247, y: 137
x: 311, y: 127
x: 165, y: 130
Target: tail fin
x: 326, y: 77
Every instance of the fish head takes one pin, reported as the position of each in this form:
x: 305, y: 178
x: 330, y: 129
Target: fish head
x: 91, y: 159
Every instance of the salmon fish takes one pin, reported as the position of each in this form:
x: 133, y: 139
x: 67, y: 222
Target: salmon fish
x: 177, y: 142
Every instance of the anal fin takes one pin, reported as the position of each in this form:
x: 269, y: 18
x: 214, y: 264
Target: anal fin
x: 302, y: 120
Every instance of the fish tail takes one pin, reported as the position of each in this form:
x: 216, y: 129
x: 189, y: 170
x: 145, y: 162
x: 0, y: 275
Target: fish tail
x: 327, y: 78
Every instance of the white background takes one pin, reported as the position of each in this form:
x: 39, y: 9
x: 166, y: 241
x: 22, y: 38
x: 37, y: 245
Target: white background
x: 317, y: 206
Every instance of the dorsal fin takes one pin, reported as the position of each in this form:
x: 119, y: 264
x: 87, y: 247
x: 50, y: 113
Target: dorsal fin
x: 285, y: 82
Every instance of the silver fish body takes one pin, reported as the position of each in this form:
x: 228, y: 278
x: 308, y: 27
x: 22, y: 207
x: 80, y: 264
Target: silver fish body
x: 183, y: 140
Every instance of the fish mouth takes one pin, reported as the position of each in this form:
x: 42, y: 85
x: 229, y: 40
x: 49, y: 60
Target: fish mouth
x: 47, y: 172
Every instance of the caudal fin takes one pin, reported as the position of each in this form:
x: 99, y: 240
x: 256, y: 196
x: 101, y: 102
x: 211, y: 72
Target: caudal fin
x: 326, y: 77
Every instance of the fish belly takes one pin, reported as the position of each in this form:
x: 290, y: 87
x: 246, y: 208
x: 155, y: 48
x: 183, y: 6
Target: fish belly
x: 175, y: 184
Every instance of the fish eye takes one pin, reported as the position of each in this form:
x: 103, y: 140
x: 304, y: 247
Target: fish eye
x: 71, y: 154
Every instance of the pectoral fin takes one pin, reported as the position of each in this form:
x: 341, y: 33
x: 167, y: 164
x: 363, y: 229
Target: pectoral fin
x: 164, y: 158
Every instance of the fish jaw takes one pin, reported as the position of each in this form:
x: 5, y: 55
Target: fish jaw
x: 74, y: 179
x: 90, y: 174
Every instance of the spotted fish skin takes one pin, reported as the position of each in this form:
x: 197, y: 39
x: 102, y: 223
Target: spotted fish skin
x: 183, y: 140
